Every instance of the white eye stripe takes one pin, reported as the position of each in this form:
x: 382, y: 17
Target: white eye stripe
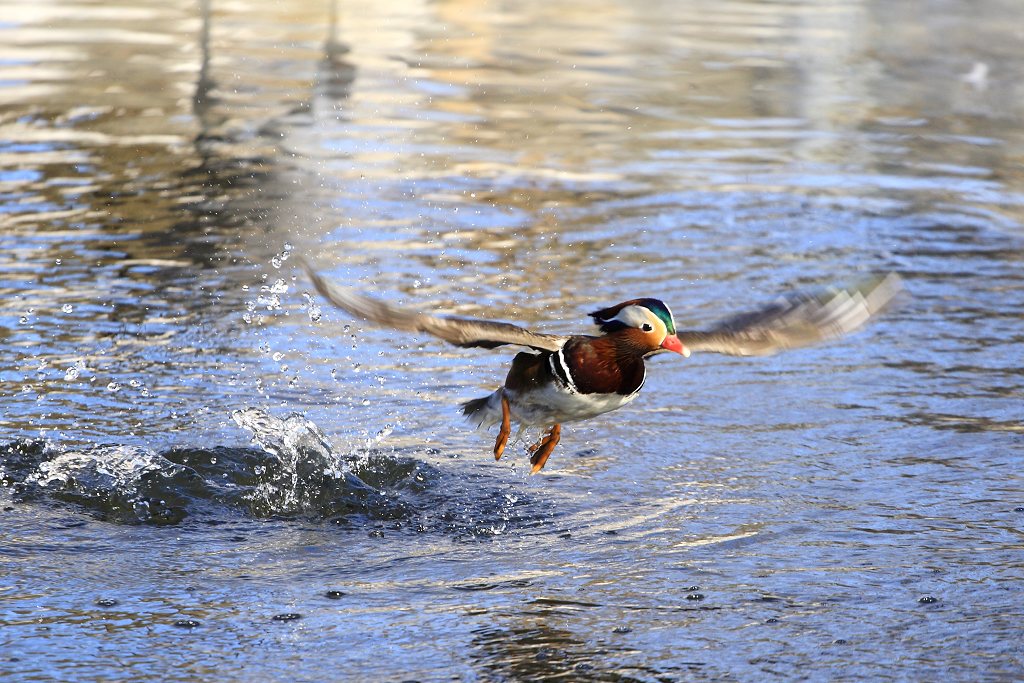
x: 633, y: 316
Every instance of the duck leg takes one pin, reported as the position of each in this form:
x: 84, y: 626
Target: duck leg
x: 506, y: 427
x: 540, y: 456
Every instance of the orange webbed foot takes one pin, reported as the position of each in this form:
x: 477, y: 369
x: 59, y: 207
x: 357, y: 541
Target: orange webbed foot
x: 543, y: 451
x: 506, y: 428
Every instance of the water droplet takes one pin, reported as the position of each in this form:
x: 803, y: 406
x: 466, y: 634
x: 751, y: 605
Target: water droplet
x: 279, y: 287
x: 56, y: 262
x: 314, y: 313
x: 113, y: 386
x: 71, y: 373
x: 23, y: 319
x: 287, y: 616
x: 276, y: 262
x: 67, y: 308
x: 335, y: 595
x: 277, y: 356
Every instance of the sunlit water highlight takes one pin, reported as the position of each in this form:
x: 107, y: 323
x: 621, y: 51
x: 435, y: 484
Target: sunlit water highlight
x: 194, y: 450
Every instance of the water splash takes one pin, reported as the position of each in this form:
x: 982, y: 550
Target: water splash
x: 125, y: 483
x: 292, y: 473
x: 304, y: 456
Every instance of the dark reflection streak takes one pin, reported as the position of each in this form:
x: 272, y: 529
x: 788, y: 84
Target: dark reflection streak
x: 530, y: 648
x: 204, y: 84
x: 333, y: 46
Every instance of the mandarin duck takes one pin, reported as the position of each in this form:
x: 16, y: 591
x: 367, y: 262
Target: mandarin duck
x: 565, y: 378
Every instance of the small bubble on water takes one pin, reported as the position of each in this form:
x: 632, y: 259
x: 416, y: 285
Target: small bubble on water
x: 186, y: 623
x: 1019, y: 508
x: 57, y: 262
x: 287, y: 616
x: 622, y: 629
x: 927, y: 599
x: 113, y: 386
x: 694, y: 596
x: 134, y: 383
x: 839, y: 641
x: 335, y: 595
x: 693, y: 589
x: 23, y: 319
x: 771, y: 620
x: 67, y: 308
x: 106, y: 602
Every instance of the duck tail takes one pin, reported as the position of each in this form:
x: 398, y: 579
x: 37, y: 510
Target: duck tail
x: 484, y: 411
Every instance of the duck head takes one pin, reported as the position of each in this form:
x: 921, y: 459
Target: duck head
x: 646, y: 322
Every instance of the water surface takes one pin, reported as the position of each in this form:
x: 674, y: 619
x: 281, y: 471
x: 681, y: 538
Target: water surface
x: 194, y: 451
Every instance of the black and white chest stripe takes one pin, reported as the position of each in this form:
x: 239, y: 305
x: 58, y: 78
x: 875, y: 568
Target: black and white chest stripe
x: 563, y: 374
x: 560, y: 369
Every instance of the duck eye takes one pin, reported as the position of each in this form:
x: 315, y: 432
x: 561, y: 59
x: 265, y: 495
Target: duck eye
x: 646, y: 327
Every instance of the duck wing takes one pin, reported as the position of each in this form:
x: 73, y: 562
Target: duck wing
x: 797, y: 320
x: 465, y: 332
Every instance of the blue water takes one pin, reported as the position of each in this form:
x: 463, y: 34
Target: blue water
x: 209, y: 473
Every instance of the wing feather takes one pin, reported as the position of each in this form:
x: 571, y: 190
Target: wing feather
x: 797, y: 320
x: 466, y: 332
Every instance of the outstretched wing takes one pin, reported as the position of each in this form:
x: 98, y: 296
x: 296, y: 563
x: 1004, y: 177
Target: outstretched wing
x: 467, y: 332
x: 797, y: 320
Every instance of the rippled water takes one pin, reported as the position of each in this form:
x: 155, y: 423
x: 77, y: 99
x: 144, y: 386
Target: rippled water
x: 194, y: 452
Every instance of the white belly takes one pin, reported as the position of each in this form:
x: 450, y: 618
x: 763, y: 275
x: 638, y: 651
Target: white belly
x: 555, y: 404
